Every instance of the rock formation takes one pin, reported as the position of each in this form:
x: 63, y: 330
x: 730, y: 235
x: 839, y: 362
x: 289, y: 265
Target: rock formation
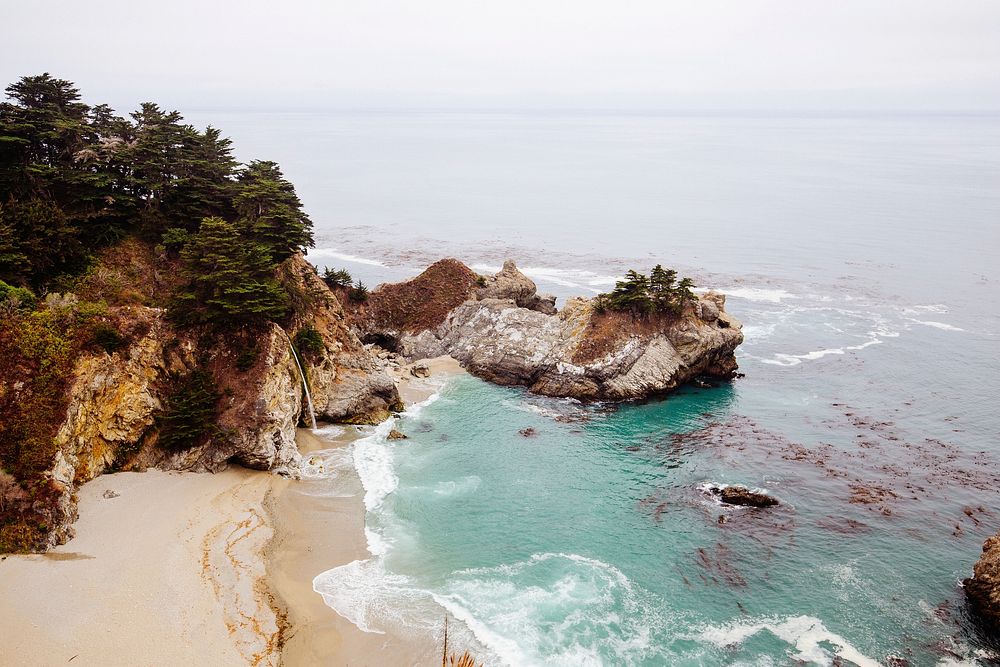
x: 501, y: 330
x: 983, y: 587
x: 115, y: 399
x: 741, y: 495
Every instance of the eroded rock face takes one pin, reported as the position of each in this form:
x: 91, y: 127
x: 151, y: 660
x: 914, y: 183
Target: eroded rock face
x: 577, y: 352
x: 348, y: 383
x: 983, y: 587
x: 116, y: 398
x: 509, y: 283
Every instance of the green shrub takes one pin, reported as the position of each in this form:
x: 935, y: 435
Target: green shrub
x: 189, y: 417
x: 246, y: 359
x: 358, y: 293
x: 309, y: 342
x: 175, y: 238
x: 106, y: 337
x: 19, y: 297
x: 337, y: 278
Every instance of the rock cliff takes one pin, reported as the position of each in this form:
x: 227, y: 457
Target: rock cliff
x: 501, y: 330
x: 116, y: 399
x: 983, y: 587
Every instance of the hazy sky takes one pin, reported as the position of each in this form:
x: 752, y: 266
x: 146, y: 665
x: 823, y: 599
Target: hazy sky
x: 696, y: 53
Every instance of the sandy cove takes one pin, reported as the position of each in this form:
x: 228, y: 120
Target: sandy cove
x: 186, y: 568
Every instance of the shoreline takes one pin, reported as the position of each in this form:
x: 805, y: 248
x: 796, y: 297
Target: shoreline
x: 175, y: 567
x: 151, y: 577
x: 319, y: 524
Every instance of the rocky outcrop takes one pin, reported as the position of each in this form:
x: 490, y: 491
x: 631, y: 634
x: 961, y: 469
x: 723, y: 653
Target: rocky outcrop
x: 983, y: 587
x: 741, y: 495
x: 347, y: 382
x: 577, y: 352
x: 111, y: 422
x: 509, y: 283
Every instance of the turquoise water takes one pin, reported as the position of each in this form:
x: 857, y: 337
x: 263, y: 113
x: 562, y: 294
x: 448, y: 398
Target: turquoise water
x: 859, y: 250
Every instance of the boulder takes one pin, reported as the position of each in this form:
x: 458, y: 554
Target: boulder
x: 510, y: 284
x: 983, y: 588
x: 741, y: 495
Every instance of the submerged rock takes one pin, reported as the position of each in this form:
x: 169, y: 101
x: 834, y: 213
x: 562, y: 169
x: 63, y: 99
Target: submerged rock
x: 505, y: 333
x: 741, y: 495
x: 983, y: 587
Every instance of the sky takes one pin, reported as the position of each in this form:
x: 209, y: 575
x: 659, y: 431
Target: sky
x: 921, y: 54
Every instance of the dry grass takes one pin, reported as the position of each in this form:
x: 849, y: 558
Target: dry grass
x: 418, y: 304
x: 455, y: 660
x: 608, y: 331
x: 129, y: 273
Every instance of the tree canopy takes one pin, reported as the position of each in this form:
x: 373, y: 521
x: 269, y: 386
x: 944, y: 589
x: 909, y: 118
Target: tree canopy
x: 638, y: 294
x: 76, y: 178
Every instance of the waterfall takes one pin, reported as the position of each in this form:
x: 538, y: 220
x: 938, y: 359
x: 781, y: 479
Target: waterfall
x: 305, y: 385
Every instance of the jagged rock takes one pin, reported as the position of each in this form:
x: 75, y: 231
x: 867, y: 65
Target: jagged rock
x: 108, y: 493
x: 576, y: 352
x: 110, y: 421
x: 395, y: 434
x: 741, y: 495
x: 420, y: 371
x: 348, y: 383
x: 708, y: 310
x: 510, y: 283
x: 983, y: 587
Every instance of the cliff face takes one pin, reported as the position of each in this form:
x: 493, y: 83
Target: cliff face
x: 505, y: 333
x: 115, y: 400
x: 347, y: 382
x: 983, y: 587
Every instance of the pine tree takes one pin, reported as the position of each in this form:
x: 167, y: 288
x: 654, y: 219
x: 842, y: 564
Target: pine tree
x: 631, y: 294
x: 271, y: 211
x: 229, y: 280
x: 684, y: 292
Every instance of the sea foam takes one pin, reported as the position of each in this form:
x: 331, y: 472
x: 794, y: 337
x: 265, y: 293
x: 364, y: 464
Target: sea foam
x: 805, y: 634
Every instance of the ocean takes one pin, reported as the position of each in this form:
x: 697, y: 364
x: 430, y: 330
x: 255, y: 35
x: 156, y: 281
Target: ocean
x: 860, y: 252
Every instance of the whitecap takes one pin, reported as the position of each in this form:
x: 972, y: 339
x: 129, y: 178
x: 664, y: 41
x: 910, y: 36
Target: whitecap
x: 333, y: 253
x: 373, y: 462
x: 759, y: 294
x: 938, y: 325
x: 556, y: 609
x: 806, y: 634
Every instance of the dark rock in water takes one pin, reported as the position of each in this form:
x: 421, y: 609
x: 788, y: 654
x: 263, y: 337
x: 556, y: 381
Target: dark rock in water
x: 701, y: 384
x: 528, y: 432
x: 983, y: 587
x: 396, y: 435
x: 741, y: 495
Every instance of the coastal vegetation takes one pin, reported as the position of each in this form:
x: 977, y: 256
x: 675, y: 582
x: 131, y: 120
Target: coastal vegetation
x: 100, y: 213
x: 638, y: 294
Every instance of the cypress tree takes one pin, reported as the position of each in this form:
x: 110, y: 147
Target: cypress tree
x: 228, y: 280
x: 271, y: 212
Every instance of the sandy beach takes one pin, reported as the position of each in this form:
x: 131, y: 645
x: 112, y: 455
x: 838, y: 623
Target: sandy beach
x: 184, y: 568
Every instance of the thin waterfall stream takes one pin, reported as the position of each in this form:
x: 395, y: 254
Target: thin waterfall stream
x: 305, y: 384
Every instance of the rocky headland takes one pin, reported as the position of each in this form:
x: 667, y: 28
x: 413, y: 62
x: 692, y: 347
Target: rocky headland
x: 500, y: 329
x: 111, y: 418
x: 983, y: 587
